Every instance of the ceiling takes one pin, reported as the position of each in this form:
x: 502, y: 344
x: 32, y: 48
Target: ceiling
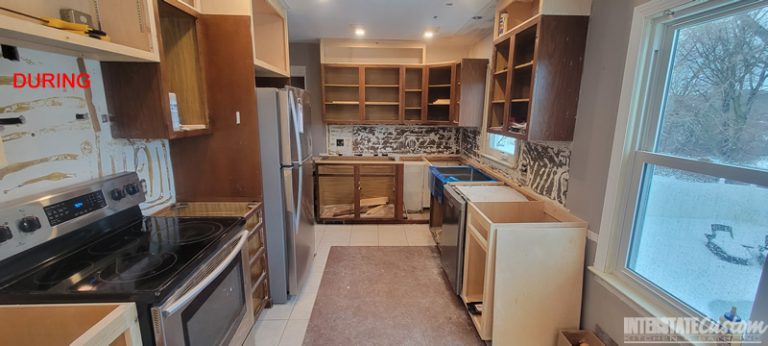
x: 309, y: 20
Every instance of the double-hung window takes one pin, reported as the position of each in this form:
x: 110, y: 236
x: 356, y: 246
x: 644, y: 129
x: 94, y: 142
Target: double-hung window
x: 688, y: 187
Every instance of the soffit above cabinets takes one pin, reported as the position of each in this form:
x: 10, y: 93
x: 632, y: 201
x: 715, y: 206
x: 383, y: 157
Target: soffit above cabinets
x: 309, y: 20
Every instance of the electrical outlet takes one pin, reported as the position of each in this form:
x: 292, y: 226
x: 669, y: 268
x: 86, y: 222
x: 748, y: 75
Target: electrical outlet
x: 339, y: 142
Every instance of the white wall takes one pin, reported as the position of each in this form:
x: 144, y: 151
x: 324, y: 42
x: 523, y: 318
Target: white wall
x: 53, y: 149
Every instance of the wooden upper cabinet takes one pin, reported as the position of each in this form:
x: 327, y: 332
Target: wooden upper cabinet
x: 131, y: 26
x: 469, y: 95
x: 404, y: 94
x: 536, y: 78
x: 139, y: 95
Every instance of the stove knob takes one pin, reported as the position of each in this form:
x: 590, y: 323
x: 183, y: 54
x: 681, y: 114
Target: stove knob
x: 29, y: 224
x: 5, y: 234
x: 117, y: 194
x: 132, y: 189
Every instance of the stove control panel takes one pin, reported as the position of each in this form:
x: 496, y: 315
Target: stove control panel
x: 27, y: 223
x: 74, y: 207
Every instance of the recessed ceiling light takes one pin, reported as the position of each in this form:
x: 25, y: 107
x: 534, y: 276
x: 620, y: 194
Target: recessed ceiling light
x: 429, y: 34
x: 359, y: 32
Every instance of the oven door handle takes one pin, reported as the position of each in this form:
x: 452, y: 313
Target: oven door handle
x: 192, y: 293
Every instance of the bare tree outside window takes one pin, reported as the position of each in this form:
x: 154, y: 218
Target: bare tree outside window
x: 717, y: 98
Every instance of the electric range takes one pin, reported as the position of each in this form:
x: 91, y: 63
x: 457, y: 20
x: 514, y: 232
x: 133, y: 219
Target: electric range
x: 91, y: 243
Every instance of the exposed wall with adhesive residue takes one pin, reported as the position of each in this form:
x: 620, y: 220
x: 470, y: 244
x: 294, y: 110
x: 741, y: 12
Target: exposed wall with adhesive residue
x: 65, y: 136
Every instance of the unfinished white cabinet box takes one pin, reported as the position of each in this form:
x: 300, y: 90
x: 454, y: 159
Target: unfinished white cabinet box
x: 130, y: 25
x: 524, y: 263
x: 70, y: 324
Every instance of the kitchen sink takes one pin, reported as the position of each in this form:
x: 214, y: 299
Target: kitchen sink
x: 439, y: 176
x: 459, y: 173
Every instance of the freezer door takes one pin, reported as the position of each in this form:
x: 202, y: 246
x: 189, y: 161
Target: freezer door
x: 301, y: 219
x: 301, y: 124
x: 287, y: 137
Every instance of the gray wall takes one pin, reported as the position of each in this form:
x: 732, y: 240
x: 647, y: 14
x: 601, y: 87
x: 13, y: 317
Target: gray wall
x: 308, y: 55
x: 606, y: 50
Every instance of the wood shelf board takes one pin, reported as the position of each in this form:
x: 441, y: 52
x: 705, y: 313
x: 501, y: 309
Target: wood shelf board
x: 520, y: 100
x: 501, y: 72
x: 524, y: 65
x: 440, y: 85
x: 414, y: 108
x: 413, y: 90
x: 376, y: 103
x: 342, y: 85
x: 497, y: 101
x: 343, y: 103
x: 382, y: 86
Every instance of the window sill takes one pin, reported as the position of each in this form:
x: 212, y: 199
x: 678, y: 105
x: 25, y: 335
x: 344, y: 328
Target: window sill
x: 644, y: 303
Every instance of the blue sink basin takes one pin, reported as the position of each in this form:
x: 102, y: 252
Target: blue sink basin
x: 439, y: 176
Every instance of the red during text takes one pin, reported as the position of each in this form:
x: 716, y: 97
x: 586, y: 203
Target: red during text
x: 51, y: 80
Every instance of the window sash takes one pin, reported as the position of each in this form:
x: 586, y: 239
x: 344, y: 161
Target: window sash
x: 644, y: 132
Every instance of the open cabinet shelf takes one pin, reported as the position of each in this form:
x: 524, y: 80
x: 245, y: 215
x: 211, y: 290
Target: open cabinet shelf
x: 538, y: 106
x: 139, y: 94
x: 130, y: 25
x: 405, y: 94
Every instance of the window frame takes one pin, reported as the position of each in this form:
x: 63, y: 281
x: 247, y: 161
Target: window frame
x: 498, y: 155
x: 648, y: 62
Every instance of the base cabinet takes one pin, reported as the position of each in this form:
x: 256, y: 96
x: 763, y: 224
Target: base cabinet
x: 70, y: 324
x: 370, y: 192
x: 523, y: 268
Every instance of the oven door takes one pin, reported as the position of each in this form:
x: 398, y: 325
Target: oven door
x: 217, y: 309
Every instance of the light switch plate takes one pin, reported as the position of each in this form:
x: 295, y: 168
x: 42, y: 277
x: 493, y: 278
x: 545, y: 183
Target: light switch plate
x: 237, y: 117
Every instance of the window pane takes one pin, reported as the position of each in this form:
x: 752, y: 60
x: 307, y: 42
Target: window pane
x: 716, y: 102
x: 701, y: 239
x: 502, y: 143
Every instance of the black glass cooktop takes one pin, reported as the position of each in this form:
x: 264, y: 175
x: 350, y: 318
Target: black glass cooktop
x: 144, y: 258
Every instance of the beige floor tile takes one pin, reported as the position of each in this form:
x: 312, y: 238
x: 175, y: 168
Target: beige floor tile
x: 364, y: 235
x: 392, y: 235
x: 279, y: 311
x: 336, y: 235
x: 269, y: 333
x: 419, y: 236
x: 304, y: 304
x: 319, y: 233
x: 313, y: 281
x: 294, y: 332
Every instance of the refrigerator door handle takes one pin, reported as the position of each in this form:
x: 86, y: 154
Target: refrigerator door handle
x: 292, y: 204
x: 288, y: 190
x: 295, y: 117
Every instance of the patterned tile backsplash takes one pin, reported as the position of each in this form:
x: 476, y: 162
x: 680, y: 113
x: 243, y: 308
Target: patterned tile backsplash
x: 391, y: 139
x: 542, y: 166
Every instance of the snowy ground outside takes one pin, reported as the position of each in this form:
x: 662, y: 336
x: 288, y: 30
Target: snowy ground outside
x: 672, y: 251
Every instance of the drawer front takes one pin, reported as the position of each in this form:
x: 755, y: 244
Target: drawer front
x: 335, y: 169
x: 255, y: 242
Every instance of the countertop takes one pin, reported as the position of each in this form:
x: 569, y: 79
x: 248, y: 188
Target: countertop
x: 203, y: 209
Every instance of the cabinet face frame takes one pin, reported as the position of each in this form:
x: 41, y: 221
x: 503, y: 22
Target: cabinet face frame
x: 451, y: 85
x: 364, y: 86
x: 360, y: 92
x: 356, y: 174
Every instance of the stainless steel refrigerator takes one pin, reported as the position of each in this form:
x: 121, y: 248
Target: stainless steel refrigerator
x: 287, y: 171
